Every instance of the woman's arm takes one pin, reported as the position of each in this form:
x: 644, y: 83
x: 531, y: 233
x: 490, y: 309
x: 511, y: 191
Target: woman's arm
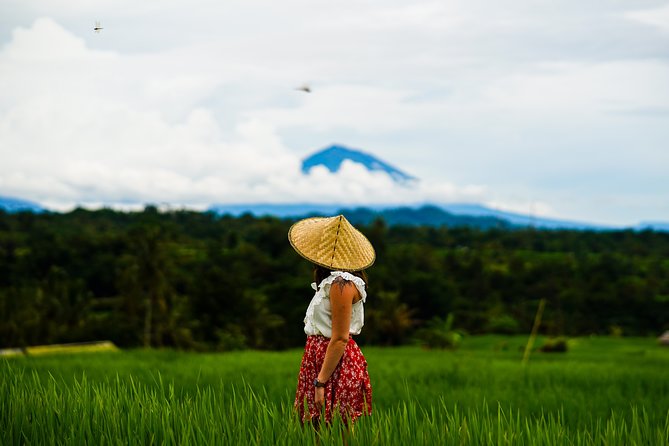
x: 342, y: 294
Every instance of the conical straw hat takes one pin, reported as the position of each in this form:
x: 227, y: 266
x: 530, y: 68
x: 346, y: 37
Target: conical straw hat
x: 332, y: 242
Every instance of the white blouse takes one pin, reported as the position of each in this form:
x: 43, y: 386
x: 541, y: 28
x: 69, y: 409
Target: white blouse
x: 318, y: 320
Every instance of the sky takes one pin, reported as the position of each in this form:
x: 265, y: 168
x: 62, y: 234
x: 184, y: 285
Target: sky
x: 554, y: 108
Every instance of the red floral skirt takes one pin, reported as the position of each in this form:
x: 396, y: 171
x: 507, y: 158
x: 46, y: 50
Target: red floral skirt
x: 348, y: 389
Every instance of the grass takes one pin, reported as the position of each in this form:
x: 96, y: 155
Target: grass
x: 603, y: 391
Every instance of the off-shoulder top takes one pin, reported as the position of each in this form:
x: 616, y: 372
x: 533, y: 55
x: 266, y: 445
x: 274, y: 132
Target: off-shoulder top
x: 318, y: 320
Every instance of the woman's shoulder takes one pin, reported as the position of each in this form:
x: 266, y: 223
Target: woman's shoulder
x: 343, y: 278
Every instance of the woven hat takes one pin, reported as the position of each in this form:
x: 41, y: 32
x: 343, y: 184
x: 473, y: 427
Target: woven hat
x: 332, y: 242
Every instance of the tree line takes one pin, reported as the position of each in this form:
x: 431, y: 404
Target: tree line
x: 196, y: 280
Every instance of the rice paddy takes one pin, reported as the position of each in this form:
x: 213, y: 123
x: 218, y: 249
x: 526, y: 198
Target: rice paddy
x: 608, y: 391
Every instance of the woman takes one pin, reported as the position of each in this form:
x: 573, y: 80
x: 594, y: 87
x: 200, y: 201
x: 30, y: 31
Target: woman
x: 333, y: 372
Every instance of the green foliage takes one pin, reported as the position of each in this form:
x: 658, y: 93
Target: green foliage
x: 439, y: 333
x: 503, y: 324
x: 198, y: 281
x: 555, y: 345
x: 231, y: 338
x: 389, y: 320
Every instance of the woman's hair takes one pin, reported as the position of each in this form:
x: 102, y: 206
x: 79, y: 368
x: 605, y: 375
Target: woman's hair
x: 321, y: 272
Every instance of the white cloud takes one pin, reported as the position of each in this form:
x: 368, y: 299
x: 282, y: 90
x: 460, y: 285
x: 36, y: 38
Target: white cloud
x: 656, y: 17
x: 362, y: 107
x: 195, y: 104
x: 584, y: 88
x: 531, y: 208
x: 99, y: 127
x: 353, y: 184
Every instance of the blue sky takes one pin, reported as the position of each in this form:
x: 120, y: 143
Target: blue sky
x: 556, y: 108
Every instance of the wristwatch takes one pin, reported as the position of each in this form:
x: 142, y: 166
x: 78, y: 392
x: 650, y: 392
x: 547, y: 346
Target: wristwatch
x: 317, y: 383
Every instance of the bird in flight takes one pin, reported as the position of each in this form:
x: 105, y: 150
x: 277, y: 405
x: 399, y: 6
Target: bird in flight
x: 97, y: 28
x: 305, y: 88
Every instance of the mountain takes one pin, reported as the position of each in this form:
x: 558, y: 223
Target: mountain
x: 12, y: 205
x: 426, y: 215
x: 451, y: 215
x: 519, y: 219
x: 456, y: 214
x: 653, y: 225
x: 276, y: 210
x: 332, y: 158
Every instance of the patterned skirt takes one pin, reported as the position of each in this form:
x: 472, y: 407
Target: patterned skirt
x: 348, y: 391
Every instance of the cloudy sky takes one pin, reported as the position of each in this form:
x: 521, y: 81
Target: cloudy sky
x: 559, y: 108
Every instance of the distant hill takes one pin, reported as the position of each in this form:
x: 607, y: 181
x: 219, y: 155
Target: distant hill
x: 458, y: 214
x: 9, y: 204
x: 427, y: 215
x: 451, y: 215
x: 653, y: 225
x: 519, y: 219
x: 332, y: 158
x: 276, y: 210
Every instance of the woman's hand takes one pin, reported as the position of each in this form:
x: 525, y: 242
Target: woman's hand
x: 319, y: 397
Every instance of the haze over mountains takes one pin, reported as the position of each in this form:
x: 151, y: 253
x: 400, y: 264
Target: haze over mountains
x: 431, y: 214
x: 457, y: 214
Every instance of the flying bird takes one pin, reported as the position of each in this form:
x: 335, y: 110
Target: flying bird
x: 97, y: 28
x: 305, y: 88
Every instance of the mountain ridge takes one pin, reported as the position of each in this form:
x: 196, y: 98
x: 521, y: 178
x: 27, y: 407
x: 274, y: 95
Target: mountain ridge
x: 467, y: 212
x: 10, y: 204
x: 333, y: 156
x: 427, y: 214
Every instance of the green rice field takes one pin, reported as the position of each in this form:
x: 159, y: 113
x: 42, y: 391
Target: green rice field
x: 603, y: 391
